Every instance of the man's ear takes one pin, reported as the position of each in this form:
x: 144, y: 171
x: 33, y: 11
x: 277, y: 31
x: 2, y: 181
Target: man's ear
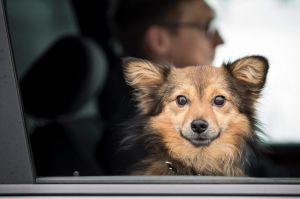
x: 146, y: 79
x: 250, y: 73
x: 158, y: 41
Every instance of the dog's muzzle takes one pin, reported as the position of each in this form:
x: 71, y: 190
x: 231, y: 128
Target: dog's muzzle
x: 200, y: 133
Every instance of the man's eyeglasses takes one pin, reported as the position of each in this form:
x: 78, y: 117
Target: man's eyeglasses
x: 209, y: 28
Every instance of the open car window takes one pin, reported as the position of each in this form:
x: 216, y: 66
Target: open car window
x: 42, y: 149
x: 63, y: 59
x: 273, y: 34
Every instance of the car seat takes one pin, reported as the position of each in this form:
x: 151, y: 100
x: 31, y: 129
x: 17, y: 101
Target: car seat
x: 58, y: 93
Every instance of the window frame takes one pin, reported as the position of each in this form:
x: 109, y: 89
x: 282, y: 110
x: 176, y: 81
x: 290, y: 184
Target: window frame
x: 17, y: 175
x: 16, y: 164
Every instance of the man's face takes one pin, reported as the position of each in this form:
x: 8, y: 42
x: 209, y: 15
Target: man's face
x: 191, y: 45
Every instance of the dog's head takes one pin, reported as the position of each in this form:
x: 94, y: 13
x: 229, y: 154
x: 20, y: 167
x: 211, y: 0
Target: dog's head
x: 196, y: 105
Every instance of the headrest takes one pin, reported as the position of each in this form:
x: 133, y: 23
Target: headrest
x: 64, y: 78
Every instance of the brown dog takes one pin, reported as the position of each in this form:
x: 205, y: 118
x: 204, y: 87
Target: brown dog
x: 197, y: 120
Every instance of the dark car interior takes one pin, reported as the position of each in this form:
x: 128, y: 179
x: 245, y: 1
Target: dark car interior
x: 74, y: 94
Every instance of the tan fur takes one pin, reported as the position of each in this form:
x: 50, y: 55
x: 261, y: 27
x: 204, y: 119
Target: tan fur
x: 143, y: 74
x: 223, y: 156
x: 249, y: 70
x: 226, y: 153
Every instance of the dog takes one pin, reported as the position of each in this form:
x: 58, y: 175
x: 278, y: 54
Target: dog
x: 195, y: 120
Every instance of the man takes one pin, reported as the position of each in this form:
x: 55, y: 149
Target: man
x: 177, y: 32
x: 167, y: 31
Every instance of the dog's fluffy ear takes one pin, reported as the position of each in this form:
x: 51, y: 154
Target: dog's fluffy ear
x: 252, y: 70
x: 250, y: 73
x: 141, y: 72
x: 146, y: 78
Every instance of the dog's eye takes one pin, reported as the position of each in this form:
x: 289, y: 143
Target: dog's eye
x: 181, y: 100
x: 219, y: 100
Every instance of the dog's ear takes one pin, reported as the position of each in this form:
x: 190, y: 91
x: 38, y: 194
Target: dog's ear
x: 145, y: 78
x: 251, y: 70
x: 250, y: 73
x: 141, y: 72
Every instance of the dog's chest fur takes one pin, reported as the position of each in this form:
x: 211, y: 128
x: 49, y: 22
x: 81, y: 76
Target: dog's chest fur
x: 161, y: 163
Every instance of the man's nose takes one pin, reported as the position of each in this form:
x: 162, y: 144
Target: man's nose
x: 217, y: 39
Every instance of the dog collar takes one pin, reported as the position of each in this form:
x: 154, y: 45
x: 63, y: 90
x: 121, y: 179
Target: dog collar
x: 171, y: 167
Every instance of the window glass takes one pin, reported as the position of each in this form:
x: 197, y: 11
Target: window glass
x: 34, y: 25
x: 59, y: 72
x: 269, y: 28
x: 67, y: 67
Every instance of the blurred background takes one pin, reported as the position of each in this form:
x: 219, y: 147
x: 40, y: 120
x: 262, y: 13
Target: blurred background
x: 66, y: 45
x: 270, y: 28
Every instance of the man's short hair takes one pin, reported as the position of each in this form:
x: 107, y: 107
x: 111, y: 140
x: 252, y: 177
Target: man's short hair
x: 131, y: 19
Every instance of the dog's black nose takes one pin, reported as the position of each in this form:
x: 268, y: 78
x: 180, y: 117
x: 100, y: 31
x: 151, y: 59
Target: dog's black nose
x: 199, y: 126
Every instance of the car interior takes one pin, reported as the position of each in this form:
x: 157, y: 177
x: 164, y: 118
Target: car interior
x: 73, y: 91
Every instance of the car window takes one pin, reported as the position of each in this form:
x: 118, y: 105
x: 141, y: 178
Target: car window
x: 272, y: 31
x: 66, y: 65
x: 34, y: 26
